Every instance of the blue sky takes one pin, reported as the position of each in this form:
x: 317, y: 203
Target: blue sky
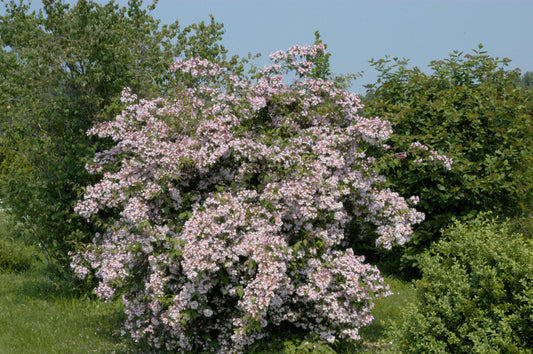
x: 356, y: 31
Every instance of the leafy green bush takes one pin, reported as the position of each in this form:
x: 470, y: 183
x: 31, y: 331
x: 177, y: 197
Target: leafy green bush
x: 471, y: 109
x: 476, y: 293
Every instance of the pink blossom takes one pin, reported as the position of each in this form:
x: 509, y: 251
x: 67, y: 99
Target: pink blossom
x: 232, y: 207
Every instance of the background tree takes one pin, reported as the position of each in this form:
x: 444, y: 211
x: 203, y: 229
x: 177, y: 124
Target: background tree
x: 470, y: 108
x: 62, y: 70
x: 527, y: 79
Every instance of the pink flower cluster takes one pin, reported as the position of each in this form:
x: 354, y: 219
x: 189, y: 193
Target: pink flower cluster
x: 197, y: 67
x: 232, y: 206
x: 299, y: 57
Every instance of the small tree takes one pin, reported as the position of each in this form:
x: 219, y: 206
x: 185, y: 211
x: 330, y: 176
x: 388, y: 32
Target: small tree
x: 61, y: 71
x: 234, y: 201
x: 474, y: 111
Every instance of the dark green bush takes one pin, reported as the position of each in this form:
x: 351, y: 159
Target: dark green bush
x: 472, y: 109
x: 475, y: 294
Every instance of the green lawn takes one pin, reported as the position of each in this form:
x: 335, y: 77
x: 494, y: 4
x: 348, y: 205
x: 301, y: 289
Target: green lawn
x: 40, y: 315
x: 387, y: 310
x: 36, y: 316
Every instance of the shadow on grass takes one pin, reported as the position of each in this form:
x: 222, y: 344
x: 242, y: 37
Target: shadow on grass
x: 45, y: 282
x: 41, y: 288
x: 37, y: 290
x: 108, y: 328
x: 374, y: 332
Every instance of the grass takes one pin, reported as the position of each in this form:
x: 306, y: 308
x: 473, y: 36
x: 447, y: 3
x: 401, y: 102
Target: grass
x: 376, y: 337
x: 38, y: 314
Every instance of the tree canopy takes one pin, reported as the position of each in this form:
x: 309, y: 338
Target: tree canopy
x: 472, y: 109
x: 62, y: 69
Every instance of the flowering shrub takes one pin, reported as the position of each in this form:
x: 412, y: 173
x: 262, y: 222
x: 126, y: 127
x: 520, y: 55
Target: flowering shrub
x: 233, y: 201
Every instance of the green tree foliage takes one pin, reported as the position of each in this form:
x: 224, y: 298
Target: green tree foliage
x: 473, y: 110
x: 62, y: 70
x: 527, y: 79
x: 475, y: 295
x: 321, y: 69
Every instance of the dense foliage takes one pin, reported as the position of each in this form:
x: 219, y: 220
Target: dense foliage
x: 473, y: 110
x: 476, y: 293
x: 234, y: 202
x: 61, y: 71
